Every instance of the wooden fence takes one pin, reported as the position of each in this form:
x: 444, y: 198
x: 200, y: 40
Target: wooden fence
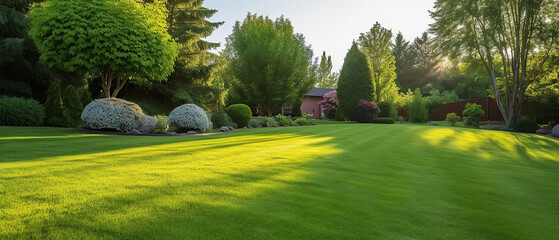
x: 488, y: 104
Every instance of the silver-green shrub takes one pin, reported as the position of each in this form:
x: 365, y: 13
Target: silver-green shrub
x: 189, y: 117
x: 113, y: 113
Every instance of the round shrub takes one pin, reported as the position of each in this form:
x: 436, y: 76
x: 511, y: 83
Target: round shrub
x: 366, y: 112
x: 240, y: 113
x: 189, y: 117
x: 113, y: 113
x: 303, y: 121
x: 20, y: 112
x: 384, y: 120
x: 283, y: 121
x: 526, y: 126
x: 555, y: 131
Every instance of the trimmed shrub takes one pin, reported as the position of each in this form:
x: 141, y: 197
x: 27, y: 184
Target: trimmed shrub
x: 54, y: 109
x: 283, y: 120
x: 149, y: 123
x: 240, y: 113
x: 526, y: 126
x: 472, y: 114
x: 384, y: 120
x: 452, y: 118
x: 161, y: 124
x: 113, y: 113
x: 366, y: 112
x: 387, y: 109
x: 220, y: 119
x: 417, y: 109
x: 72, y: 106
x: 20, y: 112
x: 400, y: 119
x: 189, y: 117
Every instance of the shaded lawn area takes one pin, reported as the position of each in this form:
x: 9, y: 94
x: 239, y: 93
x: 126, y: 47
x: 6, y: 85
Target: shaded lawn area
x: 342, y: 181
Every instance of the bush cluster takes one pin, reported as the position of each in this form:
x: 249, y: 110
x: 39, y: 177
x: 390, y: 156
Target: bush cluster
x: 284, y: 120
x: 161, y: 125
x: 417, y: 108
x: 240, y: 113
x: 452, y: 118
x: 20, y: 112
x: 366, y: 112
x: 387, y: 109
x: 472, y: 114
x: 220, y: 119
x: 526, y: 126
x: 189, y: 117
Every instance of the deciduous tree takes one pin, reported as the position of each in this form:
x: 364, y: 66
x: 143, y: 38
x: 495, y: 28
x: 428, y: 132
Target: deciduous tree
x: 117, y: 40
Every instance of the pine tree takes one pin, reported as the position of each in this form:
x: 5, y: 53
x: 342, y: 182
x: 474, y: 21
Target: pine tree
x: 54, y: 110
x: 354, y: 84
x: 195, y: 66
x: 72, y: 106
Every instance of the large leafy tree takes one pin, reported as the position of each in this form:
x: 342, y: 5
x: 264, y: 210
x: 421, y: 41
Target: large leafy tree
x: 355, y: 83
x: 376, y: 44
x: 511, y: 31
x: 118, y: 40
x: 326, y: 79
x: 271, y: 66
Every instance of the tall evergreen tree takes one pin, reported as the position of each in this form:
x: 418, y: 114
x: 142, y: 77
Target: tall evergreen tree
x: 405, y: 61
x: 355, y: 83
x: 195, y: 66
x: 376, y: 45
x: 326, y: 79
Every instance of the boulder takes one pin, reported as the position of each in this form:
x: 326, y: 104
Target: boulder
x: 224, y: 129
x: 434, y: 124
x: 555, y: 131
x: 191, y: 132
x: 231, y: 128
x: 543, y: 131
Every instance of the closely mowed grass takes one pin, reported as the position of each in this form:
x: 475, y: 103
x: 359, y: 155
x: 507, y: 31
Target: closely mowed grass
x: 343, y: 181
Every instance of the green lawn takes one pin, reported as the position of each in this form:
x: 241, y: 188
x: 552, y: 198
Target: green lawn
x: 342, y: 181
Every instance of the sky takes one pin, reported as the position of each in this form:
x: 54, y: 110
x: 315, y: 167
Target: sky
x: 328, y: 25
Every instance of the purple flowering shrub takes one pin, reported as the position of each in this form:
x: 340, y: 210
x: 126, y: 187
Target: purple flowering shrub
x: 329, y: 103
x: 366, y: 112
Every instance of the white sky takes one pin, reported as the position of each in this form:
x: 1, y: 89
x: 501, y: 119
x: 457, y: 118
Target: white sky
x: 328, y: 25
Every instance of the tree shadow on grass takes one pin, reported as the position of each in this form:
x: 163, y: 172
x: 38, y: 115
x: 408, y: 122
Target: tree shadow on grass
x: 358, y: 182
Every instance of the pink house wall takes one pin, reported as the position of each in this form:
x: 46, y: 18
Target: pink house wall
x: 310, y: 106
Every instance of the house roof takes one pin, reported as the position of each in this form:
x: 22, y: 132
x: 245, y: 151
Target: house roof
x: 319, y: 92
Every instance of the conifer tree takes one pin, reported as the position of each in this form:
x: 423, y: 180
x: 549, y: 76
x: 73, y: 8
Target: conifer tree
x: 195, y: 66
x: 72, y: 105
x: 54, y: 110
x: 326, y: 79
x: 354, y: 83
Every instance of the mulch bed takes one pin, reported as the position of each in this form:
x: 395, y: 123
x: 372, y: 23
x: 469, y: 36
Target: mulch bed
x: 148, y: 134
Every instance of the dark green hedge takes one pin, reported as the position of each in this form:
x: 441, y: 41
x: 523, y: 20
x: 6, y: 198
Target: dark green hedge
x: 384, y: 120
x: 20, y: 112
x: 526, y: 126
